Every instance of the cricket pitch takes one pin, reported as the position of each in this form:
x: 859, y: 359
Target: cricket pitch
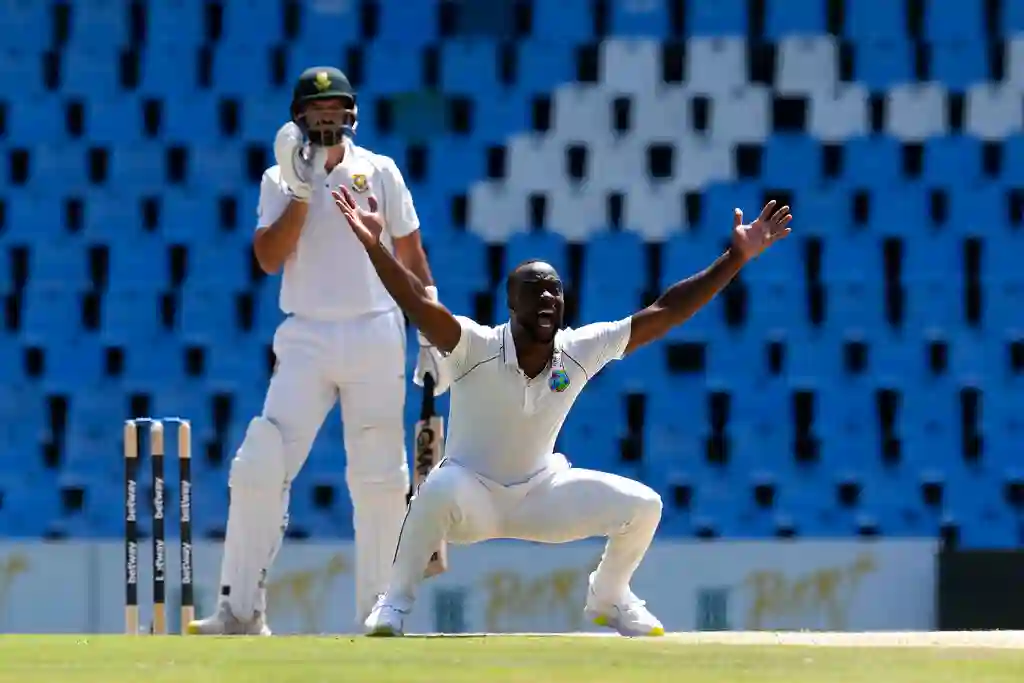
x: 722, y: 657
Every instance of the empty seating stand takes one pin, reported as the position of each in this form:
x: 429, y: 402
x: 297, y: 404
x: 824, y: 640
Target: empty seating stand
x: 864, y: 377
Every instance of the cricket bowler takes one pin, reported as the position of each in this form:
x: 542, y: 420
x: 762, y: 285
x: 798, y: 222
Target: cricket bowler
x: 343, y: 339
x: 512, y: 388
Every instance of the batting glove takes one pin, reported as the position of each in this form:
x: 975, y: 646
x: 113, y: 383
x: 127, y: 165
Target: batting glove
x: 302, y: 165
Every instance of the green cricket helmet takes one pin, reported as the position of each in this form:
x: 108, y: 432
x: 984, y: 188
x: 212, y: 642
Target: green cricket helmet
x: 322, y: 127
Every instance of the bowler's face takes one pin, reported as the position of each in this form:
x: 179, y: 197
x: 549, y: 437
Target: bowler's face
x: 537, y: 302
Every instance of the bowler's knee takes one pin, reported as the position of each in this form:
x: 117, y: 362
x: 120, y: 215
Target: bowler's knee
x: 439, y: 492
x: 647, y: 503
x: 260, y: 461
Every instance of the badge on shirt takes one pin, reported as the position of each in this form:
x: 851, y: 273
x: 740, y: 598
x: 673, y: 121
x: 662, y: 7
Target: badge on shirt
x: 559, y: 380
x: 359, y: 182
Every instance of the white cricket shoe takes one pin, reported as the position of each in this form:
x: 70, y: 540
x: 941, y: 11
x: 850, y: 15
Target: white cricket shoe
x: 630, y: 618
x: 225, y: 623
x: 385, y: 620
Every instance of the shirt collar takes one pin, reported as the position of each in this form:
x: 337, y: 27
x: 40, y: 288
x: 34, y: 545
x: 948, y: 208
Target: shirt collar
x: 508, y: 349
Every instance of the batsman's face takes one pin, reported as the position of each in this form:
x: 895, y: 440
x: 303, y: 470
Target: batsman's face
x: 326, y: 119
x: 537, y: 302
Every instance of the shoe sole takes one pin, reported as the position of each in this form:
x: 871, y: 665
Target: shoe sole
x: 602, y: 620
x: 194, y: 630
x: 383, y: 632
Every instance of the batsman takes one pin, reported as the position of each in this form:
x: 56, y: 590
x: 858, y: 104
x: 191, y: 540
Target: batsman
x: 343, y: 340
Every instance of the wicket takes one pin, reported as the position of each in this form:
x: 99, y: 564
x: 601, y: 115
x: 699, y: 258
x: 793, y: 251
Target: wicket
x: 131, y: 530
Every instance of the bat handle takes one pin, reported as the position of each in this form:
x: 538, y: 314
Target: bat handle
x: 428, y: 396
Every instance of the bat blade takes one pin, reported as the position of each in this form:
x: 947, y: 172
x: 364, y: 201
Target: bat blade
x: 429, y: 451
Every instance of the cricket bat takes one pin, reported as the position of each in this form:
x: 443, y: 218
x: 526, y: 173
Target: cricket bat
x: 429, y: 451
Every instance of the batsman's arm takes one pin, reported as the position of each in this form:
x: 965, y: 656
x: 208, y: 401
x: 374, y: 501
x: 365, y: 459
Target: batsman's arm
x: 433, y: 320
x: 409, y: 250
x: 273, y: 244
x: 678, y: 303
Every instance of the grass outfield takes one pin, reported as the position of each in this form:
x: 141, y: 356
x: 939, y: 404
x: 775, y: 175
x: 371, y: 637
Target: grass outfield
x: 686, y: 658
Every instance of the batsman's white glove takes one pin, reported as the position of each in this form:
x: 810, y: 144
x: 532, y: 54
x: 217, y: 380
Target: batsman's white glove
x: 431, y: 361
x: 302, y: 165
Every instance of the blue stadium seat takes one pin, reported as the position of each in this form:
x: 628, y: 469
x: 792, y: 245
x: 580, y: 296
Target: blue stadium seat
x: 408, y: 23
x: 950, y: 157
x: 139, y: 168
x: 797, y: 154
x: 168, y: 69
x: 882, y: 65
x: 959, y: 65
x: 872, y: 162
x: 960, y: 22
x: 238, y: 19
x: 544, y: 245
x: 130, y: 315
x: 458, y: 260
x: 876, y: 21
x: 65, y: 162
x: 1012, y: 19
x: 22, y: 20
x: 727, y: 18
x: 99, y: 23
x: 192, y: 120
x: 639, y: 20
x: 324, y: 26
x: 978, y: 210
x: 504, y: 112
x: 615, y: 264
x: 136, y: 265
x: 393, y: 70
x: 207, y: 314
x: 1013, y: 155
x: 786, y: 18
x: 468, y: 66
x: 569, y: 22
x: 90, y: 71
x: 175, y: 22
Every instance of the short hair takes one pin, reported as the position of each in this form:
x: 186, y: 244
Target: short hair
x: 515, y: 271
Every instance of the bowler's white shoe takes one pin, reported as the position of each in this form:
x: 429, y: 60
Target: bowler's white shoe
x: 630, y: 618
x: 225, y: 623
x: 385, y: 620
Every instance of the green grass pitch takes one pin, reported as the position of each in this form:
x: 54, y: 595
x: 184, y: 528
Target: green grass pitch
x: 500, y: 659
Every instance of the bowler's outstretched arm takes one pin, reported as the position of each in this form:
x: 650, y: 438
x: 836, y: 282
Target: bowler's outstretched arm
x: 433, y: 320
x: 678, y: 303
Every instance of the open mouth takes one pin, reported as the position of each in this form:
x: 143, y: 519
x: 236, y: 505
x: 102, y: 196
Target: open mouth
x: 546, y: 319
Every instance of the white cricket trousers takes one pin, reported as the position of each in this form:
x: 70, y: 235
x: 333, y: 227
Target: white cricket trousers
x: 558, y: 505
x: 362, y: 362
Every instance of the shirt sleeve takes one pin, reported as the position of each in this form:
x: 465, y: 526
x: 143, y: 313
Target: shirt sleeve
x: 594, y: 346
x: 472, y: 346
x: 399, y: 211
x: 273, y: 201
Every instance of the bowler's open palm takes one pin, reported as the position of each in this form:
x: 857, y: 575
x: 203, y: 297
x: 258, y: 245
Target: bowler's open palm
x: 769, y: 228
x: 368, y: 226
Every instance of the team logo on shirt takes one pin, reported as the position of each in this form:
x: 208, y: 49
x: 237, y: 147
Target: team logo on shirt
x: 559, y: 380
x: 359, y: 182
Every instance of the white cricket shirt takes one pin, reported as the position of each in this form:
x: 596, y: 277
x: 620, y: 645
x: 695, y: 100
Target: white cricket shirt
x: 502, y: 424
x: 330, y: 277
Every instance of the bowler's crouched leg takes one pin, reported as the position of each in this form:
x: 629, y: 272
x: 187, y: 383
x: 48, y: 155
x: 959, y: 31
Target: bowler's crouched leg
x: 637, y: 513
x: 451, y: 505
x: 257, y: 516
